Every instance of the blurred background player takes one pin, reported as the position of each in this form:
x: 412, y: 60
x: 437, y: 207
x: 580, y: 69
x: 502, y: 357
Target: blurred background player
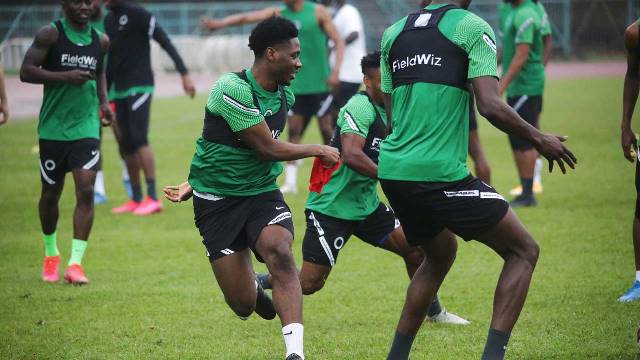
x: 523, y: 81
x: 313, y: 82
x: 237, y: 205
x: 343, y: 201
x: 348, y: 22
x: 4, y: 101
x: 96, y: 21
x: 629, y: 142
x: 547, y: 47
x: 130, y: 29
x: 67, y: 57
x: 431, y: 191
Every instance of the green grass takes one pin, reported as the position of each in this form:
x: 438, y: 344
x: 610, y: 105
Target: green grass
x: 153, y: 295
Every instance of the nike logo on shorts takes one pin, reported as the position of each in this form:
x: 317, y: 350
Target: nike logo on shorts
x: 279, y: 207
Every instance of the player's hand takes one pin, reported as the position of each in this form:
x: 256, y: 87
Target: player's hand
x: 106, y: 115
x: 188, y: 87
x: 329, y: 156
x: 178, y: 193
x: 4, y: 113
x: 78, y: 77
x: 333, y: 79
x: 211, y: 24
x: 629, y: 143
x: 552, y: 148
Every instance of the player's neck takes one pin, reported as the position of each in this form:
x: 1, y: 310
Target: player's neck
x: 263, y: 77
x: 516, y: 3
x: 441, y: 2
x: 79, y: 27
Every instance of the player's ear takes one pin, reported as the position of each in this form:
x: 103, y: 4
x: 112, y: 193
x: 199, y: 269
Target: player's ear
x: 366, y: 80
x: 271, y: 54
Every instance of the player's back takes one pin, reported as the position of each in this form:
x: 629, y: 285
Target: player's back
x: 427, y: 61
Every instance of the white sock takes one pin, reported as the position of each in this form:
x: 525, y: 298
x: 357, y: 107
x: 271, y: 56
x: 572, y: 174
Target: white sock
x: 98, y: 186
x: 125, y: 172
x: 537, y: 177
x: 291, y: 175
x: 293, y: 334
x: 638, y: 275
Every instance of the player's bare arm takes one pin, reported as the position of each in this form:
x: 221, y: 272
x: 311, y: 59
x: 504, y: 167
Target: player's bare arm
x: 324, y: 19
x: 31, y: 70
x: 239, y: 19
x: 522, y: 54
x: 178, y: 193
x: 4, y: 102
x: 502, y: 116
x: 630, y: 92
x: 101, y: 84
x: 547, y: 48
x: 354, y: 157
x: 259, y: 138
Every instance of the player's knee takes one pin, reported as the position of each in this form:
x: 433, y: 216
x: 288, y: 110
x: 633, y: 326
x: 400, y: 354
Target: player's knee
x: 241, y: 308
x: 310, y: 286
x: 84, y: 193
x: 532, y: 253
x: 413, y: 256
x: 279, y: 256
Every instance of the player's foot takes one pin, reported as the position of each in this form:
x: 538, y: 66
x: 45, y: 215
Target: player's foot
x: 148, y: 206
x: 293, y: 357
x: 633, y: 294
x: 445, y: 317
x: 537, y: 189
x: 264, y: 305
x: 50, y: 268
x: 289, y: 189
x: 99, y: 198
x: 75, y: 275
x: 523, y: 201
x: 128, y: 207
x: 263, y: 280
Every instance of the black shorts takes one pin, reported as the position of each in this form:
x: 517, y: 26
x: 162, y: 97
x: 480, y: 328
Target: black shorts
x: 59, y: 157
x: 467, y: 207
x: 473, y: 121
x: 232, y: 224
x: 340, y: 96
x: 529, y: 108
x: 132, y: 115
x: 325, y: 235
x: 310, y: 105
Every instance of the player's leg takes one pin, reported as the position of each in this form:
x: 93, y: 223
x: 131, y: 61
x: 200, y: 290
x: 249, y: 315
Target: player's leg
x: 326, y: 120
x: 482, y: 168
x: 296, y: 122
x: 124, y: 131
x: 100, y: 194
x: 633, y: 294
x: 514, y: 244
x: 234, y: 274
x: 525, y: 155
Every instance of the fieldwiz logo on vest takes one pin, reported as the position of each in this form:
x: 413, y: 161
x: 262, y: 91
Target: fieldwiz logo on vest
x: 84, y: 61
x: 418, y: 59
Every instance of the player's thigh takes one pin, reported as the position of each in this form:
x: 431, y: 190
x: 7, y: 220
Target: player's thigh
x: 54, y: 157
x: 378, y: 228
x: 269, y: 228
x: 324, y: 237
x: 509, y: 237
x: 529, y: 108
x: 313, y: 276
x: 234, y: 274
x: 83, y: 161
x: 139, y: 112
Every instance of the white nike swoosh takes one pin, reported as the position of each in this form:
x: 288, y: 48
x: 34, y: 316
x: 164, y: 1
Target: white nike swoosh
x: 279, y: 208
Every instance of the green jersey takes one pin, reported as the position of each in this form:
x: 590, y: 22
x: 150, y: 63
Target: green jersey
x: 505, y: 10
x: 221, y: 165
x: 523, y: 25
x: 427, y: 71
x: 347, y: 194
x: 312, y: 77
x: 70, y: 112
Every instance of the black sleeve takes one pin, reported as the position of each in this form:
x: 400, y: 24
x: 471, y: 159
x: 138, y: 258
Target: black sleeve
x: 162, y: 38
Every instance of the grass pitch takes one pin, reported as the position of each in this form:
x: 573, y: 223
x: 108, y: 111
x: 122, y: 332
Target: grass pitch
x: 153, y: 295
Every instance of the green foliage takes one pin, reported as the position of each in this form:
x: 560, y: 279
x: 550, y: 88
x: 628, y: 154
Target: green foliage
x: 153, y: 296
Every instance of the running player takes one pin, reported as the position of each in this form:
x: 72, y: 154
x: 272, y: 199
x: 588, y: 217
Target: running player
x: 628, y: 139
x: 130, y: 28
x: 428, y: 59
x: 348, y: 22
x: 547, y: 47
x: 344, y: 201
x: 523, y: 81
x: 4, y: 102
x: 67, y: 57
x: 236, y: 201
x: 311, y: 86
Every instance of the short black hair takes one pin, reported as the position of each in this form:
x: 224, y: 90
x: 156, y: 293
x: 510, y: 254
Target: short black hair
x: 269, y: 32
x: 370, y: 61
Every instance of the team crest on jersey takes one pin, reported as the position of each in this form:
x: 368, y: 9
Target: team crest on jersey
x: 124, y: 19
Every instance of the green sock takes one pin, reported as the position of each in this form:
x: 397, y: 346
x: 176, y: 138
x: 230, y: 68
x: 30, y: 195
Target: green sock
x: 77, y: 250
x: 50, y: 244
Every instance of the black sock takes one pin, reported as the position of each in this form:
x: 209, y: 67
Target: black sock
x: 496, y: 345
x: 434, y: 308
x: 527, y: 186
x: 136, y: 192
x: 151, y: 189
x: 401, y: 347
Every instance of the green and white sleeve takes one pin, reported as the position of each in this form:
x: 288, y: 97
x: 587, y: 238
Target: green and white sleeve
x: 477, y: 38
x: 232, y: 99
x: 356, y: 116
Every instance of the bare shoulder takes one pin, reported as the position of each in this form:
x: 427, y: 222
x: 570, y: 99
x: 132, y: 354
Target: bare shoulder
x: 46, y: 36
x: 104, y: 42
x: 631, y: 36
x: 321, y: 13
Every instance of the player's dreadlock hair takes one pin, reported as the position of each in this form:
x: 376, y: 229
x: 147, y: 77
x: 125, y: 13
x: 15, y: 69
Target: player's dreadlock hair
x: 370, y: 61
x: 270, y: 32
